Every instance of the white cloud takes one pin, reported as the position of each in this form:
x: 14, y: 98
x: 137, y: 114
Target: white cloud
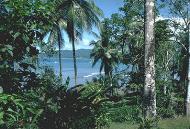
x: 67, y: 46
x: 86, y: 41
x: 176, y: 19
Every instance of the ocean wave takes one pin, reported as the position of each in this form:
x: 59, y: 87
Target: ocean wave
x: 87, y: 76
x: 93, y: 74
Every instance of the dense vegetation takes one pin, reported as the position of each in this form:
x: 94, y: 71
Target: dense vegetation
x: 156, y: 48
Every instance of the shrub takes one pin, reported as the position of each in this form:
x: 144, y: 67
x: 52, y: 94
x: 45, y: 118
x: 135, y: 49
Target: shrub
x: 51, y: 105
x: 76, y: 108
x: 146, y: 123
x: 121, y: 111
x: 16, y: 112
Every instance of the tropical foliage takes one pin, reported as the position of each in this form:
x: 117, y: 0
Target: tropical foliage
x: 104, y: 50
x: 153, y: 82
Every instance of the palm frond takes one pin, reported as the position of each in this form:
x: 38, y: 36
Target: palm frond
x: 96, y: 59
x: 51, y: 39
x: 101, y: 66
x: 60, y: 37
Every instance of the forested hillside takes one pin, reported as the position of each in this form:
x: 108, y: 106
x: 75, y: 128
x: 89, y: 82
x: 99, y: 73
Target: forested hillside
x: 80, y: 53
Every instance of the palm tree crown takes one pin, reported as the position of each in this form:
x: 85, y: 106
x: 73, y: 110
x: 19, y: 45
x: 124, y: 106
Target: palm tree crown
x: 79, y: 15
x: 105, y: 50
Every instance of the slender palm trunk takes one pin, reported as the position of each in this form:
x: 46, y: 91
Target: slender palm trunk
x: 59, y: 45
x: 72, y: 34
x: 149, y: 88
x: 60, y: 63
x: 165, y: 86
x: 74, y: 61
x: 107, y: 69
x: 188, y: 88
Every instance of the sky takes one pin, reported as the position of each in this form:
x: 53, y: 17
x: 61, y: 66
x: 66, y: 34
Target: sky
x: 108, y: 7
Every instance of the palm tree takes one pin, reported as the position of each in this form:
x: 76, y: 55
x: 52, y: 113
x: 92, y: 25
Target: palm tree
x: 57, y: 37
x: 149, y: 87
x: 79, y: 15
x: 104, y: 50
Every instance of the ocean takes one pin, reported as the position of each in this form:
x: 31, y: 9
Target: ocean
x: 84, y: 67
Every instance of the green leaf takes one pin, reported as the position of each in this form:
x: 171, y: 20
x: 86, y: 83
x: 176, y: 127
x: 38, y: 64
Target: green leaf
x: 108, y: 55
x: 16, y: 35
x: 25, y: 38
x: 9, y: 47
x: 11, y: 53
x: 39, y: 112
x: 1, y: 115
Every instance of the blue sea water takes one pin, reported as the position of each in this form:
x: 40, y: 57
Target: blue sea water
x: 84, y: 67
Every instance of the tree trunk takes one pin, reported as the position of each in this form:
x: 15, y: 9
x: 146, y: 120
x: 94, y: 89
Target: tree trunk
x: 165, y: 86
x: 74, y: 61
x: 1, y: 89
x: 60, y: 63
x: 72, y: 36
x: 188, y: 88
x: 107, y: 69
x: 59, y: 44
x: 149, y: 88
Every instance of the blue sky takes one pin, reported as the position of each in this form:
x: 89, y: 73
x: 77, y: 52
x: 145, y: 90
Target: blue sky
x: 108, y: 7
